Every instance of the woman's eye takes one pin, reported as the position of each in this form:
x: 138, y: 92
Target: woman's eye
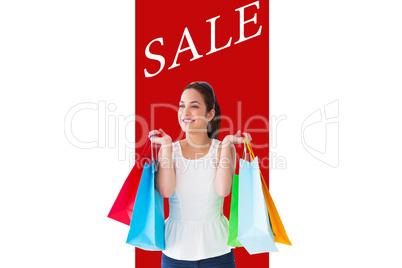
x: 194, y: 106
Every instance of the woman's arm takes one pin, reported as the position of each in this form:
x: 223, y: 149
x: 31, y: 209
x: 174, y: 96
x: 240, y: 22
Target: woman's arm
x: 226, y: 169
x: 165, y: 178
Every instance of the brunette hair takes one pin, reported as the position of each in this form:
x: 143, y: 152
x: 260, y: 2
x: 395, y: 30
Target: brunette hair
x: 209, y: 97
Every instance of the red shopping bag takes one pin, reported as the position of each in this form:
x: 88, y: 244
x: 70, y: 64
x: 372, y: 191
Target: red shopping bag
x: 122, y: 208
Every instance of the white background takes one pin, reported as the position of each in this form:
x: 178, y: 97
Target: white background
x: 55, y: 195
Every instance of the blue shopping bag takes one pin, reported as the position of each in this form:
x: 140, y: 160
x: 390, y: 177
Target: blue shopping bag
x: 147, y: 226
x: 255, y: 232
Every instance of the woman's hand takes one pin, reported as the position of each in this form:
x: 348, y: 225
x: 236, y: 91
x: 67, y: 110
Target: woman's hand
x: 165, y: 139
x: 237, y: 138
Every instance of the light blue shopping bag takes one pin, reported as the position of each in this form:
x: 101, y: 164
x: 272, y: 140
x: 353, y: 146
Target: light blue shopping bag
x: 255, y: 232
x: 147, y: 226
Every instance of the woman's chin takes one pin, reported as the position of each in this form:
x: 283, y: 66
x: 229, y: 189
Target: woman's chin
x: 186, y: 125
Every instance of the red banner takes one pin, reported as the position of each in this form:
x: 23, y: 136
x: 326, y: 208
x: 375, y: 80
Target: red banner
x: 224, y: 43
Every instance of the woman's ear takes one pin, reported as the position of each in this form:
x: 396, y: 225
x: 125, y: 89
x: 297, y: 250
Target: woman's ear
x: 211, y: 115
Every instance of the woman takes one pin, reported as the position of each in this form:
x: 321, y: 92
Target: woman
x: 196, y: 174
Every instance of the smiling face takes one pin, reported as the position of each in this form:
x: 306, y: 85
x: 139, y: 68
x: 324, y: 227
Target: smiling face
x: 192, y: 115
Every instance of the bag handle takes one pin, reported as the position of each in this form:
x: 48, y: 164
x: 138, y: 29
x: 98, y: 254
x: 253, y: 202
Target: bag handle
x: 244, y: 156
x: 145, y: 147
x: 152, y: 152
x: 252, y: 156
x: 247, y: 147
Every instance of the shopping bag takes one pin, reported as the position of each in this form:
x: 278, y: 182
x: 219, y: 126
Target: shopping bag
x: 278, y: 229
x: 255, y: 232
x: 234, y: 219
x: 147, y: 228
x: 122, y: 208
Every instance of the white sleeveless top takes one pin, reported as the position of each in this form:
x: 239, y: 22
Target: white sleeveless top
x: 196, y: 228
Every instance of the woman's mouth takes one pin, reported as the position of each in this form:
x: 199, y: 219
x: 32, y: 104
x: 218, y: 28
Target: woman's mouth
x: 188, y: 121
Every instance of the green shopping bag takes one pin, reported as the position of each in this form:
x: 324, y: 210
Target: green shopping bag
x: 234, y: 215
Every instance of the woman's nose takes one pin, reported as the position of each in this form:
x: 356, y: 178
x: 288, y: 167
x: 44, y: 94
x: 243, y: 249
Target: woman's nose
x: 187, y: 111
